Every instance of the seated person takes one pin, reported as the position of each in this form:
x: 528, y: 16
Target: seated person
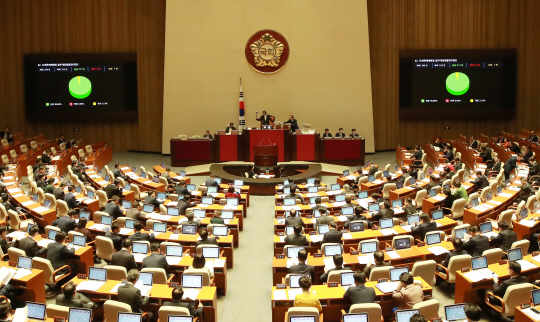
x: 338, y: 262
x: 114, y: 189
x: 203, y: 234
x: 71, y: 298
x: 151, y: 199
x: 447, y: 175
x: 460, y: 191
x: 477, y: 243
x: 317, y: 206
x: 231, y: 193
x: 484, y: 154
x: 207, y: 135
x: 155, y: 259
x: 117, y: 172
x: 293, y: 193
x: 359, y: 293
x: 5, y: 311
x: 408, y: 207
x: 408, y: 293
x: 66, y: 223
x: 388, y: 181
x: 293, y: 219
x: 327, y: 133
x: 81, y: 228
x: 378, y: 256
x: 135, y: 212
x: 458, y: 165
x: 124, y: 257
x: 323, y: 219
x: 302, y: 267
x: 340, y: 134
x: 28, y: 244
x: 458, y: 250
x: 386, y: 212
x: 216, y: 218
x: 424, y: 227
x: 190, y: 219
x: 348, y: 201
x: 198, y: 263
x: 528, y: 154
x: 195, y: 310
x: 473, y: 312
x: 112, y: 207
x: 448, y: 201
x: 499, y: 289
x: 129, y: 294
x: 481, y: 181
x: 448, y: 153
x: 296, y: 239
x: 57, y: 253
x: 358, y: 210
x: 332, y: 235
x: 418, y: 318
x: 432, y: 183
x: 113, y: 234
x: 354, y: 134
x: 138, y: 235
x: 306, y: 298
x: 506, y: 237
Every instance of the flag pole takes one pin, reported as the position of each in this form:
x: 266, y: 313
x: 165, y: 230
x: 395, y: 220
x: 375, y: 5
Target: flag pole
x: 241, y: 118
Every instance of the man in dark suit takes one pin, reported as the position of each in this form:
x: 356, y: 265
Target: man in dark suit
x: 203, y: 233
x: 59, y: 191
x: 29, y: 245
x: 417, y: 153
x: 477, y: 243
x: 230, y: 128
x: 138, y: 235
x: 114, y: 189
x: 506, y: 237
x: 113, y: 234
x: 66, y: 223
x: 151, y: 199
x: 425, y: 227
x: 485, y: 155
x: 359, y: 293
x: 207, y: 135
x: 264, y: 119
x: 327, y: 133
x: 317, y: 206
x: 292, y: 121
x: 50, y: 186
x: 112, y: 207
x: 474, y: 143
x: 386, y: 212
x: 432, y: 183
x: 117, y: 172
x: 448, y: 153
x: 296, y: 239
x: 509, y: 166
x: 57, y: 253
x: 210, y: 182
x: 408, y: 207
x: 354, y: 134
x: 515, y: 148
x: 448, y: 201
x: 458, y: 250
x: 340, y: 134
x: 70, y: 198
x: 6, y: 134
x: 333, y: 235
x: 71, y: 298
x: 181, y: 189
x: 323, y: 219
x: 534, y: 169
x: 458, y: 165
x: 358, y: 210
x: 293, y: 219
x: 496, y: 164
x: 528, y: 155
x: 124, y: 257
x: 155, y: 260
x: 184, y: 204
x: 378, y: 256
x: 481, y: 181
x: 447, y: 175
x: 499, y: 289
x: 37, y: 165
x: 61, y: 139
x: 533, y: 138
x: 338, y: 263
x: 177, y: 294
x: 129, y: 294
x: 302, y: 267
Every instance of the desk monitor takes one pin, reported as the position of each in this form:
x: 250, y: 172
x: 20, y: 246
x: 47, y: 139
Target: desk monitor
x: 335, y: 186
x: 402, y: 243
x: 289, y: 230
x: 148, y: 208
x: 35, y: 197
x: 396, y: 168
x: 299, y: 318
x: 395, y: 273
x: 347, y: 279
x: 356, y: 226
x: 155, y: 179
x: 79, y: 240
x: 220, y: 230
x: 238, y: 183
x: 411, y: 219
x: 97, y: 274
x: 139, y: 248
x: 210, y: 252
x: 163, y: 165
x: 371, y: 178
x: 422, y: 176
x: 217, y: 180
x: 323, y: 229
x: 523, y: 212
x: 127, y: 187
x: 90, y: 194
x: 293, y: 280
x: 212, y: 189
x: 432, y: 192
x: 310, y: 180
x: 286, y: 182
x: 173, y: 211
x: 232, y: 202
x: 133, y: 169
x: 106, y: 220
x: 397, y: 203
x: 191, y: 187
x: 486, y: 227
x: 312, y: 189
x: 130, y: 223
x: 489, y: 196
x: 368, y: 247
x: 437, y: 214
x: 412, y: 181
x: 535, y: 294
x: 340, y: 198
x: 346, y: 173
x: 499, y: 189
x: 207, y: 200
x: 331, y: 250
x: 79, y: 315
x: 362, y: 194
x: 385, y: 173
x: 147, y: 278
x: 446, y: 186
x: 289, y: 201
x: 479, y: 262
x: 47, y: 203
x: 455, y: 312
x: 286, y: 190
x: 36, y: 311
x: 129, y: 317
x: 373, y: 207
x: 347, y: 211
x: 316, y: 213
x: 227, y: 214
x: 474, y: 202
x: 404, y: 315
x: 30, y: 226
x: 192, y: 281
x: 189, y: 229
x: 433, y: 239
x: 52, y: 234
x: 355, y: 317
x: 182, y: 173
x: 199, y: 213
x: 143, y: 175
x: 24, y: 262
x: 126, y: 204
x: 160, y: 227
x: 161, y: 195
x: 174, y: 250
x: 180, y: 318
x: 292, y: 252
x: 460, y: 233
x: 386, y: 223
x: 399, y: 184
x: 514, y: 254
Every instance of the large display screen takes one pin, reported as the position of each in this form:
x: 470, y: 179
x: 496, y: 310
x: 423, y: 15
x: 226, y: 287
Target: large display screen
x: 81, y: 87
x: 457, y: 83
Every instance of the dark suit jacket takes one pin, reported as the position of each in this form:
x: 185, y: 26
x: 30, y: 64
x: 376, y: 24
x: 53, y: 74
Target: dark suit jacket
x: 138, y: 236
x: 497, y: 166
x: 424, y: 228
x: 65, y: 223
x: 181, y: 190
x: 417, y: 155
x: 449, y: 155
x: 383, y: 214
x: 155, y: 261
x: 210, y: 182
x: 339, y: 135
x: 183, y: 205
x: 135, y: 214
x: 509, y: 166
x: 79, y: 300
x: 187, y: 304
x: 474, y: 144
x: 409, y: 210
x: 112, y: 209
x: 131, y: 295
x: 58, y: 193
x: 71, y: 200
x: 327, y: 135
x: 85, y: 232
x: 207, y: 241
x: 356, y: 217
x: 430, y: 185
x: 291, y: 221
x: 447, y: 203
x: 304, y: 269
x: 477, y: 245
x: 515, y: 149
x: 367, y: 269
x: 228, y: 129
x: 452, y: 254
x: 534, y: 169
x: 296, y: 240
x: 499, y: 290
x: 324, y: 276
x: 118, y: 173
x: 332, y: 236
x: 481, y: 182
x: 323, y: 220
x: 117, y: 240
x: 57, y: 254
x: 124, y: 258
x: 293, y: 123
x: 527, y: 156
x: 505, y: 239
x: 113, y: 190
x: 151, y: 200
x: 30, y: 247
x: 359, y: 294
x: 265, y: 119
x: 486, y: 156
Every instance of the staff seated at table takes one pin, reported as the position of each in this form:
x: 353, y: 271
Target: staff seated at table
x: 5, y: 201
x: 448, y: 153
x: 70, y: 199
x: 113, y: 207
x: 114, y: 189
x: 354, y: 134
x: 66, y: 223
x: 231, y: 193
x: 123, y: 257
x: 81, y: 228
x: 135, y: 212
x: 184, y: 204
x: 58, y: 192
x: 515, y: 148
x: 359, y: 293
x: 327, y: 133
x: 340, y: 133
x: 476, y: 243
x: 293, y: 219
x: 506, y: 237
x: 181, y: 189
x: 293, y: 122
x: 129, y: 294
x: 323, y: 219
x: 199, y: 262
x: 338, y: 263
x: 448, y: 201
x: 203, y: 234
x: 28, y: 244
x: 378, y: 256
x: 408, y: 207
x: 151, y: 199
x: 480, y: 182
x: 190, y: 219
x: 155, y: 260
x: 113, y: 234
x: 293, y: 193
x: 499, y: 289
x: 49, y: 188
x: 117, y: 172
x: 296, y: 239
x: 332, y: 235
x: 195, y: 309
x: 207, y: 135
x: 57, y: 253
x: 358, y: 210
x: 484, y: 154
x: 458, y: 250
x: 306, y: 298
x: 408, y: 292
x: 447, y: 174
x: 317, y: 206
x: 386, y: 212
x: 302, y: 267
x: 216, y: 218
x: 71, y: 298
x: 424, y: 227
x: 138, y: 235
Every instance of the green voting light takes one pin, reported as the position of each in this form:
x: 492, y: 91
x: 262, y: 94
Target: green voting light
x: 80, y: 87
x: 457, y: 83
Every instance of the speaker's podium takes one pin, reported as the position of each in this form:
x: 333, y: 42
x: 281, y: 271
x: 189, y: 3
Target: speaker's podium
x: 265, y: 155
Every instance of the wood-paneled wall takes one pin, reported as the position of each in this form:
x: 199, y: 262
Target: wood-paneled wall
x: 85, y: 26
x: 450, y: 24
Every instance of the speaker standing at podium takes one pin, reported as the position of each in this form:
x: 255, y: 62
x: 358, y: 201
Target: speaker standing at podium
x: 264, y: 119
x: 292, y: 121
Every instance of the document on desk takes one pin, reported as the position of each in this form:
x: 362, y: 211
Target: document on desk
x: 230, y: 207
x: 495, y: 202
x: 17, y: 234
x: 98, y: 226
x: 291, y: 207
x: 387, y: 287
x: 329, y: 263
x: 45, y: 242
x: 174, y: 236
x: 437, y: 197
x: 351, y: 177
x: 280, y: 221
x: 191, y: 293
x: 209, y: 265
x: 28, y: 203
x: 280, y: 295
x: 438, y: 224
x: 526, y: 265
x: 339, y: 204
x: 347, y: 236
x: 14, y: 190
x: 139, y: 257
x: 342, y: 218
x: 90, y: 285
x: 158, y: 216
x: 393, y: 254
x: 377, y: 182
x: 293, y: 261
x: 537, y: 258
x: 173, y: 260
x: 40, y: 209
x: 481, y: 208
x: 478, y: 275
x: 6, y: 274
x: 313, y: 194
x: 491, y: 234
x: 202, y: 205
x: 18, y: 195
x: 505, y: 194
x: 172, y: 204
x: 363, y: 203
x: 334, y: 192
x: 219, y: 263
x: 528, y: 312
x: 145, y: 289
x: 125, y: 231
x: 407, y: 227
x: 514, y: 188
x: 367, y: 259
x: 438, y: 250
x: 292, y: 292
x: 282, y: 239
x: 527, y: 223
x: 316, y: 238
x: 388, y: 231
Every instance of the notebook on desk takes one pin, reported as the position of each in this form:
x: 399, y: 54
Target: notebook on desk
x: 36, y: 311
x: 79, y: 315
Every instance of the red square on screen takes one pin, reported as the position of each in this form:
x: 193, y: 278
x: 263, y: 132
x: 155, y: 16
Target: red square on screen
x: 447, y: 101
x: 70, y: 104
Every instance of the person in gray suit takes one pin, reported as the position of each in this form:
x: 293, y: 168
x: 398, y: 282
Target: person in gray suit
x: 195, y: 310
x: 135, y: 212
x: 123, y: 257
x: 359, y: 293
x: 302, y: 267
x: 293, y: 219
x: 59, y: 191
x: 333, y: 235
x: 70, y: 199
x: 71, y: 298
x: 155, y: 260
x: 57, y: 253
x: 66, y: 223
x: 210, y: 181
x: 112, y: 207
x: 323, y: 219
x: 151, y: 199
x: 138, y: 235
x: 297, y: 239
x: 29, y: 245
x: 203, y: 233
x: 505, y: 238
x: 129, y: 294
x: 184, y: 204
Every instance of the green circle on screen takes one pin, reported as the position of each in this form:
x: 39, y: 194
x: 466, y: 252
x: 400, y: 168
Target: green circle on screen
x: 457, y: 83
x: 80, y: 87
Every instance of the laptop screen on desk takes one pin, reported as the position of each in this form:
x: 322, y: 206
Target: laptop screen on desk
x: 412, y: 181
x: 362, y: 194
x: 232, y: 201
x: 97, y: 274
x: 106, y: 220
x: 340, y: 198
x: 347, y: 279
x: 52, y: 234
x: 172, y: 211
x: 130, y: 223
x: 312, y: 189
x: 161, y: 195
x: 535, y: 297
x: 397, y: 203
x: 335, y: 186
x: 311, y: 181
x: 395, y: 273
x: 210, y: 252
x: 220, y: 230
x: 347, y: 211
x: 191, y: 187
x: 402, y: 243
x: 84, y: 214
x: 227, y: 214
x: 345, y: 173
x: 322, y: 229
x: 289, y: 230
x: 489, y: 195
x: 189, y: 229
x: 238, y: 183
x: 126, y: 204
x: 331, y: 250
x: 437, y: 214
x: 455, y: 312
x: 289, y: 201
x: 432, y: 192
x: 212, y: 189
x: 312, y: 200
x: 316, y: 213
x: 286, y: 190
x: 474, y: 202
x: 479, y: 262
x: 174, y: 250
x: 207, y: 200
x: 369, y: 247
x: 79, y: 240
x: 160, y: 227
x: 47, y: 203
x: 523, y: 213
x: 147, y: 278
x: 218, y: 180
x: 292, y: 252
x: 485, y: 227
x: 129, y: 317
x: 356, y: 226
x: 182, y: 173
x: 24, y: 262
x: 140, y: 248
x: 143, y: 175
x: 36, y: 311
x: 386, y: 223
x: 433, y: 239
x: 405, y: 315
x: 411, y: 219
x: 127, y: 187
x: 302, y: 318
x: 192, y: 280
x: 356, y: 317
x: 79, y: 315
x: 293, y: 280
x: 514, y: 254
x: 371, y: 178
x: 460, y: 233
x: 199, y: 213
x: 148, y: 208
